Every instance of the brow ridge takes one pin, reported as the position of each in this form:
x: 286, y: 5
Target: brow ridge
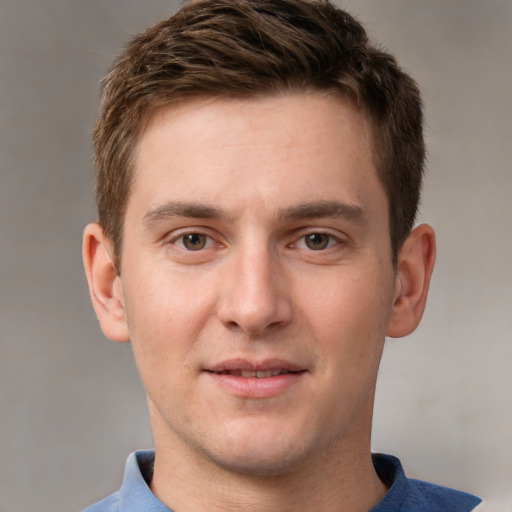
x: 322, y: 209
x: 182, y: 209
x: 303, y: 211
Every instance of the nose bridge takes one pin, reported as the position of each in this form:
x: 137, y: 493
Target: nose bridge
x: 253, y: 293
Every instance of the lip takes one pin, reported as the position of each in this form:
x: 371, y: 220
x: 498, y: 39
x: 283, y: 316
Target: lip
x: 251, y: 365
x: 253, y: 386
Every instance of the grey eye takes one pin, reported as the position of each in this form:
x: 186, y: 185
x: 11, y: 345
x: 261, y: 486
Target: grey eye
x: 317, y: 241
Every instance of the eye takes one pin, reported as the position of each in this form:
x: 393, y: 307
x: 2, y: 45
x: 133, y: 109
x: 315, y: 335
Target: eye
x: 194, y: 241
x: 317, y: 241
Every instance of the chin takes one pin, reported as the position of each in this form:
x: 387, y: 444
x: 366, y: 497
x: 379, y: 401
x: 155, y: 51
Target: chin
x: 259, y: 464
x: 260, y: 455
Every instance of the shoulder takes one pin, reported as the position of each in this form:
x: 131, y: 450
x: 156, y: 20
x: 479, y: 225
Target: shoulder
x: 432, y: 497
x: 109, y: 504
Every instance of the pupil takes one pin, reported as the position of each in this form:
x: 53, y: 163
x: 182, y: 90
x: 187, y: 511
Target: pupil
x: 317, y: 241
x: 194, y: 241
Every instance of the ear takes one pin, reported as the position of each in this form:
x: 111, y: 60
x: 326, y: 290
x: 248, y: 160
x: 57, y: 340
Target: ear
x: 104, y: 283
x: 415, y: 265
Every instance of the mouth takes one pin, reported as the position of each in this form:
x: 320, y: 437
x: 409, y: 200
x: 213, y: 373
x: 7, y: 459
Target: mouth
x: 262, y: 369
x: 256, y: 374
x: 249, y: 379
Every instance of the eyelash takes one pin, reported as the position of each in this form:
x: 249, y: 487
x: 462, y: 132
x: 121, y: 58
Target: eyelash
x: 301, y: 242
x: 304, y: 240
x: 179, y: 240
x: 182, y: 241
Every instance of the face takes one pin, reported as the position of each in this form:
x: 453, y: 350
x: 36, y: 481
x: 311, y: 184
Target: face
x: 257, y: 279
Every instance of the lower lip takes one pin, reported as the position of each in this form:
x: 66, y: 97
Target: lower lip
x: 252, y: 387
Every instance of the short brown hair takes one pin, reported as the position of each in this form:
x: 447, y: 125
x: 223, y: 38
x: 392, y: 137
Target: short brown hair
x: 243, y: 48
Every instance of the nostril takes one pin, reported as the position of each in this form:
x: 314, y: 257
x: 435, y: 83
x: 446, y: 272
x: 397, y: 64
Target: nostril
x: 233, y: 326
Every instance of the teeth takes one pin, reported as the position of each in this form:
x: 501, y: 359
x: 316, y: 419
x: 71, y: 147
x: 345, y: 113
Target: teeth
x: 258, y: 374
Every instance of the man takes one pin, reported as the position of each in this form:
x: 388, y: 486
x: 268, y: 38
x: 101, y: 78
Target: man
x: 259, y: 166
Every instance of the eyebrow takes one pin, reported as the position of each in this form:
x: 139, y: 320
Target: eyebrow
x: 182, y: 209
x: 311, y: 210
x: 323, y: 209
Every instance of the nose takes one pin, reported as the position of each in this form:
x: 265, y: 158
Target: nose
x: 254, y: 293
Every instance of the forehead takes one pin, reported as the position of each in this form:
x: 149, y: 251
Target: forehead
x: 311, y: 144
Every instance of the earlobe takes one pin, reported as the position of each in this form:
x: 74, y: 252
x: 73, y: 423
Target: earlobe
x: 104, y: 283
x: 415, y: 265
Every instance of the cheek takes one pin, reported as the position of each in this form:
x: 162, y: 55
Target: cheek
x: 348, y: 315
x: 346, y: 300
x: 165, y: 315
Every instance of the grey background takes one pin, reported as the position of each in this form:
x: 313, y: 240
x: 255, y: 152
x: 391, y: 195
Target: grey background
x: 71, y: 406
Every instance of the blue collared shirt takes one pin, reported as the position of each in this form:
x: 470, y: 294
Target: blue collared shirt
x: 404, y: 494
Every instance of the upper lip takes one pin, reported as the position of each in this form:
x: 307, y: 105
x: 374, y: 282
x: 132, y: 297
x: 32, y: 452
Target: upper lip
x: 251, y: 365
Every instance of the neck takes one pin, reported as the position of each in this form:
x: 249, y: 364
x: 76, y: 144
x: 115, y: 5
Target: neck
x: 341, y: 480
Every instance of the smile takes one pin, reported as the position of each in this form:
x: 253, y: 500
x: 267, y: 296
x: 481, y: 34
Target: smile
x: 258, y: 374
x: 256, y: 380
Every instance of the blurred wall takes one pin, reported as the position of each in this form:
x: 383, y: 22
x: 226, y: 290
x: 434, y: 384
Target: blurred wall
x: 71, y: 404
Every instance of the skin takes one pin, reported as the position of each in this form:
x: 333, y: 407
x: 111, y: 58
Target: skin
x: 256, y: 238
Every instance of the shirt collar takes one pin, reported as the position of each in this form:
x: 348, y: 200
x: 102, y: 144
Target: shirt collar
x: 390, y: 471
x: 135, y: 494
